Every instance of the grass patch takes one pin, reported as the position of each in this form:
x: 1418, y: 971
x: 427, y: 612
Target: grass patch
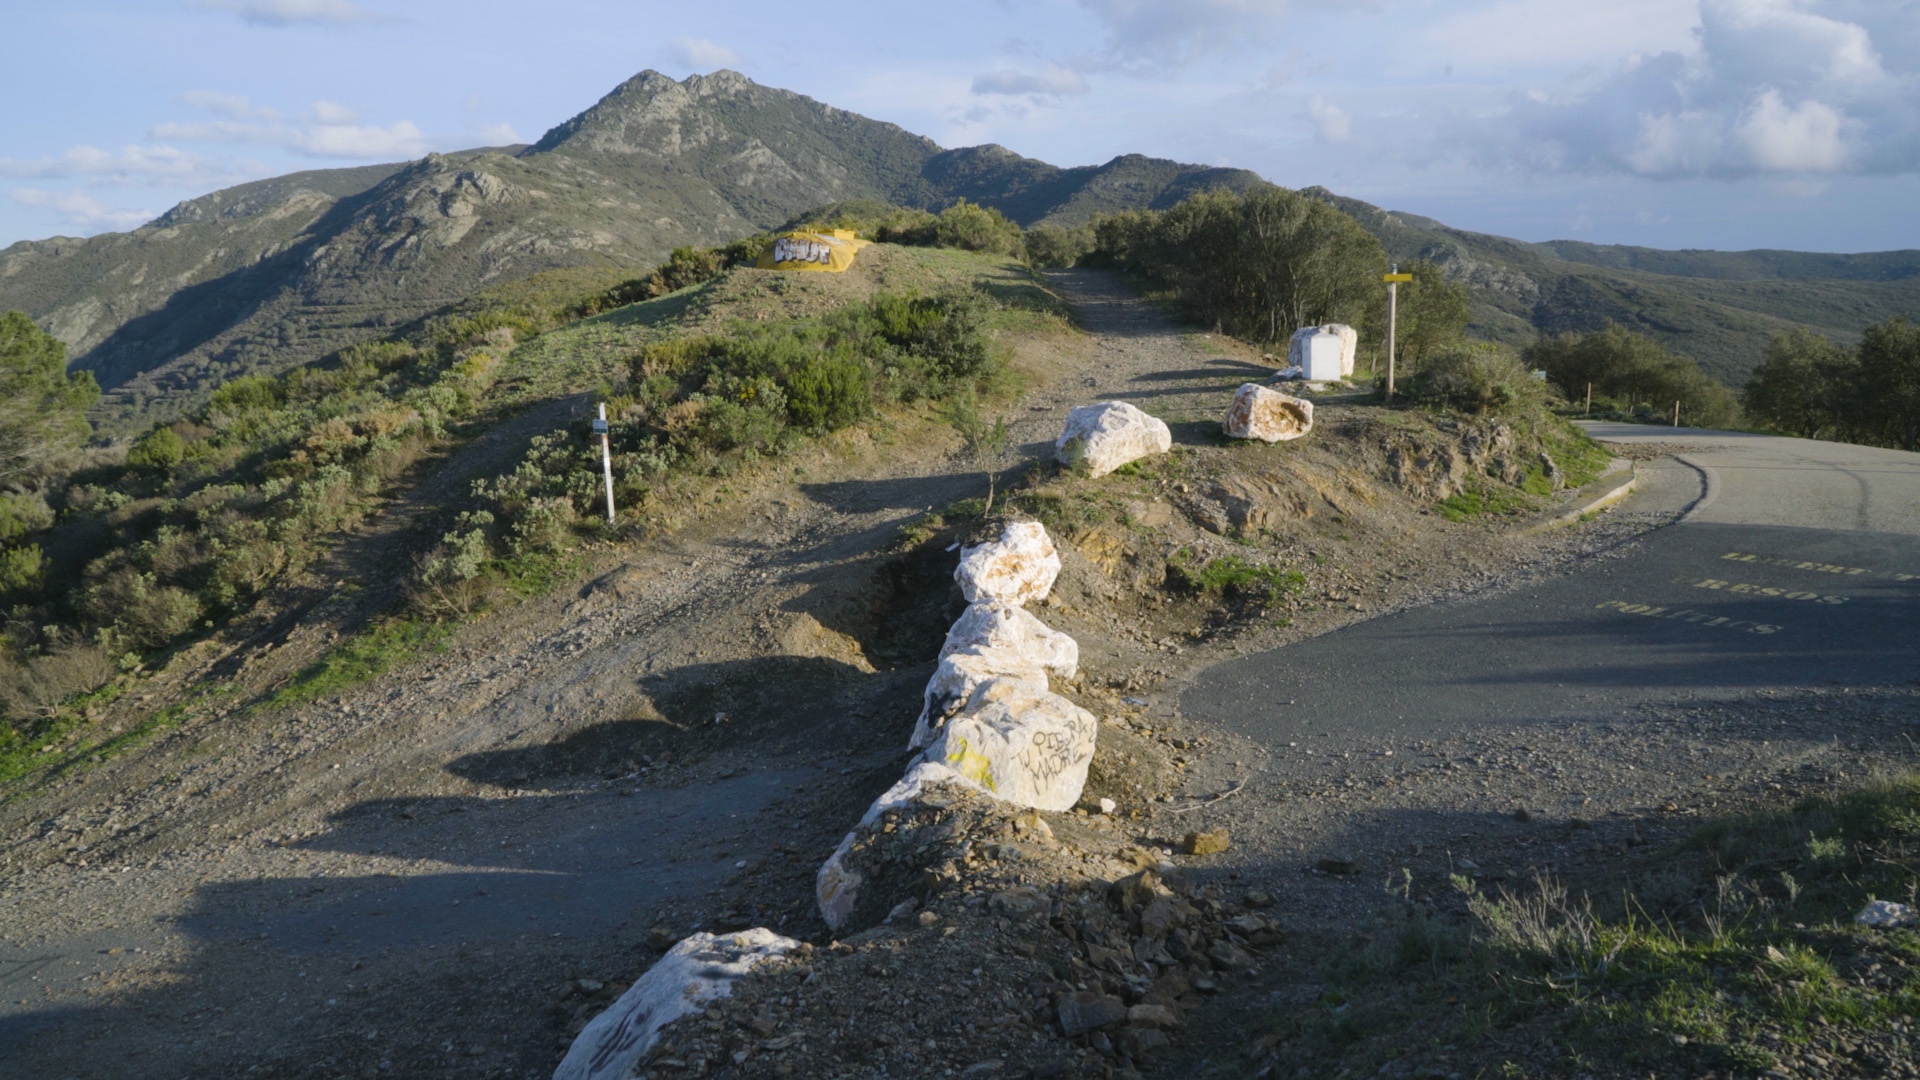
x: 1480, y: 500
x: 1580, y: 458
x: 1234, y: 575
x: 363, y: 657
x: 1734, y: 951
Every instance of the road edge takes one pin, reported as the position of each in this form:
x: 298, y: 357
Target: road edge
x: 1592, y: 499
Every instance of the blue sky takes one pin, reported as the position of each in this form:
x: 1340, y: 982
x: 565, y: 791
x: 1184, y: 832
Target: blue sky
x: 1669, y: 123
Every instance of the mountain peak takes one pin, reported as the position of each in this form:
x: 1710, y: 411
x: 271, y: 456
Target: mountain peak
x: 648, y: 113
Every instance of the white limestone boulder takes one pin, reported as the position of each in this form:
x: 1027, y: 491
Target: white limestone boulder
x: 1021, y: 745
x: 1268, y: 415
x: 1100, y: 438
x: 837, y: 885
x: 991, y: 642
x: 1016, y: 569
x: 700, y: 969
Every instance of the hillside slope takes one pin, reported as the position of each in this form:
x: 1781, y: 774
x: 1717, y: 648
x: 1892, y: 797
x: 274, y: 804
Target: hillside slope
x: 269, y: 275
x: 1718, y: 307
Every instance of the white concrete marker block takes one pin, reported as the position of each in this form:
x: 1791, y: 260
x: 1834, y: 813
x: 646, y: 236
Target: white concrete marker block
x: 1101, y: 438
x: 1323, y: 353
x: 700, y: 969
x: 1267, y: 415
x: 1016, y: 569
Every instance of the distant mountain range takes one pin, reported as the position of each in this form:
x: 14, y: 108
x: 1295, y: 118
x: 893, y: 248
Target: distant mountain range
x: 1719, y: 307
x: 272, y: 274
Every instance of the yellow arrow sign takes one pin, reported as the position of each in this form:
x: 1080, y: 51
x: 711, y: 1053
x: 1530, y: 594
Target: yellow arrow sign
x: 1396, y: 277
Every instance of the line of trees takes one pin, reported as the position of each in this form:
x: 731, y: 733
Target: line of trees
x: 1811, y: 387
x: 1633, y: 374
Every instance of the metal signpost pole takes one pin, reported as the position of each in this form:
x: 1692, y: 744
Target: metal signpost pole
x: 1393, y: 281
x: 606, y: 456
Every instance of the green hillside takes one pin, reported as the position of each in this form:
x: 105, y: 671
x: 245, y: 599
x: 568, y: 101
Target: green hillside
x: 1719, y: 308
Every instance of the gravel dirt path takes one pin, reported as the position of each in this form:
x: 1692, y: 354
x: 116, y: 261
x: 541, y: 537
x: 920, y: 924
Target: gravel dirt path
x: 441, y: 872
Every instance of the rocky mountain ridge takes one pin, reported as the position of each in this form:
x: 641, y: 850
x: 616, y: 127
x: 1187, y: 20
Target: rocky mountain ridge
x: 268, y: 275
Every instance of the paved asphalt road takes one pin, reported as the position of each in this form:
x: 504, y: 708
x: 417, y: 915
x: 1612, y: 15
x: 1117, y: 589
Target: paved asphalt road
x: 1797, y: 564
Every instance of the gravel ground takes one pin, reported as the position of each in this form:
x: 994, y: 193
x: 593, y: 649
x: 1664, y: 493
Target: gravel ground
x: 446, y: 871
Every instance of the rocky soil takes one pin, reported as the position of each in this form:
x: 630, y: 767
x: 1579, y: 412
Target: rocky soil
x: 449, y: 869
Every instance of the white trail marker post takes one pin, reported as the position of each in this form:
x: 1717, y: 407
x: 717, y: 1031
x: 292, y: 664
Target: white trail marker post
x: 606, y: 456
x: 1393, y: 280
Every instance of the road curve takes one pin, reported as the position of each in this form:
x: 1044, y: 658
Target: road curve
x: 1774, y: 480
x: 1796, y: 564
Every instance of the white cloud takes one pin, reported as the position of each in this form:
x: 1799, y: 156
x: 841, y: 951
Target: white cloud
x: 1771, y: 87
x: 1053, y: 81
x: 703, y: 54
x: 130, y: 165
x: 334, y: 132
x: 333, y: 114
x: 1528, y: 33
x: 76, y: 208
x: 290, y: 12
x: 235, y: 106
x: 1331, y: 122
x: 499, y: 135
x: 1783, y: 138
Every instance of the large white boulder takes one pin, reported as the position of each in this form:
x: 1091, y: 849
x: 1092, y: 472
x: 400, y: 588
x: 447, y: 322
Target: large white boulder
x: 1016, y: 569
x: 1267, y: 415
x: 700, y: 969
x: 1101, y: 438
x: 1323, y: 353
x: 1021, y: 745
x: 837, y: 886
x: 991, y: 642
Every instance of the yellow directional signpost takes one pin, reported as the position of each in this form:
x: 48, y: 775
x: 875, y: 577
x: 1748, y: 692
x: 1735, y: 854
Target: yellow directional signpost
x: 1393, y: 280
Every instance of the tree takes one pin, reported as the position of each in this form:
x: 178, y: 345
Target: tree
x: 985, y: 443
x: 1632, y: 368
x: 1889, y: 401
x: 1433, y: 313
x: 1259, y: 265
x: 1803, y: 385
x: 43, y: 410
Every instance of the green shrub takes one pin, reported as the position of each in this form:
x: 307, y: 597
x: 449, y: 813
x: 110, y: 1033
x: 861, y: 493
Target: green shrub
x: 23, y: 513
x: 23, y: 570
x: 1233, y: 575
x: 1631, y: 368
x: 971, y: 227
x: 160, y: 450
x: 827, y: 393
x: 1052, y: 245
x: 1478, y: 377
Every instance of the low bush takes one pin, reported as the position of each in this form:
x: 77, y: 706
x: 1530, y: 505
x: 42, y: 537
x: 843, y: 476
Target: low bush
x: 1478, y: 377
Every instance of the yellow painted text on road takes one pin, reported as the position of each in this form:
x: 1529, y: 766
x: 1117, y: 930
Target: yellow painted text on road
x: 1766, y: 590
x: 1687, y: 615
x: 1815, y: 567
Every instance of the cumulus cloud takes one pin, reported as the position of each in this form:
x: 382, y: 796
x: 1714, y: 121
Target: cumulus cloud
x: 401, y: 139
x: 704, y: 55
x: 235, y: 106
x: 329, y: 130
x: 290, y: 12
x: 333, y: 114
x: 1053, y: 81
x: 1772, y: 87
x: 1330, y: 122
x: 501, y: 134
x: 78, y: 209
x: 129, y: 165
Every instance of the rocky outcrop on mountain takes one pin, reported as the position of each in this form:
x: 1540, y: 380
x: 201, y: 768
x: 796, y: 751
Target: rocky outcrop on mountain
x: 265, y: 276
